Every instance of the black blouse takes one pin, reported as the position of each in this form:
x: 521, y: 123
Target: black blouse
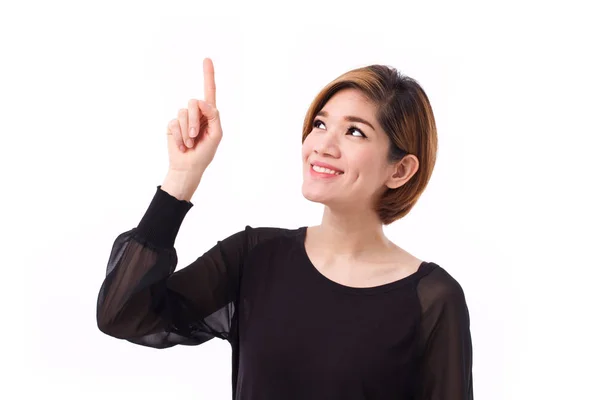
x: 295, y: 334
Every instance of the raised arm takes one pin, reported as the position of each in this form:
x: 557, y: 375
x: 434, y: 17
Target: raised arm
x: 141, y: 299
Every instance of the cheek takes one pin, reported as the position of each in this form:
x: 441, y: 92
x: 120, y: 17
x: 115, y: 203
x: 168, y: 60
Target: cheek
x: 364, y: 162
x: 367, y: 168
x: 306, y: 148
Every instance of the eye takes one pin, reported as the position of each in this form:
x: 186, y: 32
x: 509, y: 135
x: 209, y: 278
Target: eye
x: 354, y: 128
x: 317, y: 122
x: 350, y: 129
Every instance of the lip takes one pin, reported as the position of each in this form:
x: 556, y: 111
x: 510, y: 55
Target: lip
x: 325, y: 165
x: 323, y: 175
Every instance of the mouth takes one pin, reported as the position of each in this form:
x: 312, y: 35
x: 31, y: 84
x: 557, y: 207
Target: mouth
x: 322, y: 171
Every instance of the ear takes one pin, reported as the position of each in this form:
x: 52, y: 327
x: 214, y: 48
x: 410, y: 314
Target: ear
x: 402, y: 171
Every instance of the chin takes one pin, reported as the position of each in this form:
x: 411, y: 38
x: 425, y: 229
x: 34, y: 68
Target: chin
x: 313, y: 195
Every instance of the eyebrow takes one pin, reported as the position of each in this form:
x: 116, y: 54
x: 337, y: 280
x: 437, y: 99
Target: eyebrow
x: 350, y: 118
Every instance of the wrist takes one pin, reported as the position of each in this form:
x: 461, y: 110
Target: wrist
x: 181, y: 185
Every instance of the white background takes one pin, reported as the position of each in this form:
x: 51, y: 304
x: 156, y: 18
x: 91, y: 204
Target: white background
x: 87, y: 89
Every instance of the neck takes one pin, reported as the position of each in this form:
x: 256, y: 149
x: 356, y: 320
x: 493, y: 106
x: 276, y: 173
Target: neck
x: 350, y: 236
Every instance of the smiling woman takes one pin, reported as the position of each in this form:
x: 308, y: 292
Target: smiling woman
x: 333, y: 311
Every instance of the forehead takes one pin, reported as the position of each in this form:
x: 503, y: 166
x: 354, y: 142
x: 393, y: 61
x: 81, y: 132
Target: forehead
x: 349, y: 101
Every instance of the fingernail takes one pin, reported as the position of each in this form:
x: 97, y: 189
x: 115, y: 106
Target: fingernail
x: 182, y: 147
x: 189, y: 143
x: 192, y: 132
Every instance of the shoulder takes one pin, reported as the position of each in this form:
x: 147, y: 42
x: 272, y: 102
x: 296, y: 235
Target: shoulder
x: 262, y: 233
x: 438, y: 286
x: 269, y: 234
x: 271, y: 231
x: 250, y: 239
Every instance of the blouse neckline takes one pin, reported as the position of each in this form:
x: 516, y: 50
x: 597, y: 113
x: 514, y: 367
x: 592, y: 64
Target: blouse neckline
x: 424, y: 268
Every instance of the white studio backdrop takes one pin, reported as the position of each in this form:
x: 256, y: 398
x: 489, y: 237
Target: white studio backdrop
x: 87, y: 89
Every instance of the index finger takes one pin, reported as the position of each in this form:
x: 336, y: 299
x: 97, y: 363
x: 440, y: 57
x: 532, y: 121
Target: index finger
x: 210, y: 95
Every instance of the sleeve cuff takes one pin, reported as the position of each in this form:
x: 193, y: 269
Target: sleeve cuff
x: 162, y: 220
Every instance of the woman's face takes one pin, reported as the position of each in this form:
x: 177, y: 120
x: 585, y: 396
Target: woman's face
x: 358, y: 148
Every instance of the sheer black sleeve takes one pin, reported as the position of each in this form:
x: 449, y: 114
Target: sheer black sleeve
x: 145, y: 302
x: 446, y: 368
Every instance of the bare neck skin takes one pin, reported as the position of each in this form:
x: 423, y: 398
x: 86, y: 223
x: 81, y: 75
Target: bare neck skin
x: 351, y: 237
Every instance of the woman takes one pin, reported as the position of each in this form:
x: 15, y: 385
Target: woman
x: 333, y: 311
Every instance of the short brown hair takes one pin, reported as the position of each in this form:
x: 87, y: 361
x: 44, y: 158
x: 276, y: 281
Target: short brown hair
x: 404, y: 112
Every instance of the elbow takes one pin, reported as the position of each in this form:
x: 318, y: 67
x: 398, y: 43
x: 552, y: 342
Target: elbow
x: 109, y: 328
x: 157, y: 340
x: 103, y: 322
x: 111, y: 325
x: 133, y: 330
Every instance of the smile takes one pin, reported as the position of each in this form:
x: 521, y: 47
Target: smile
x: 323, y: 172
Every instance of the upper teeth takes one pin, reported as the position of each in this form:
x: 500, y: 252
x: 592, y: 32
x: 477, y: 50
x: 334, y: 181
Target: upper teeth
x: 325, y: 170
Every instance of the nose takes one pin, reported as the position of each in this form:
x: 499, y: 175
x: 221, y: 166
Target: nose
x: 328, y: 145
